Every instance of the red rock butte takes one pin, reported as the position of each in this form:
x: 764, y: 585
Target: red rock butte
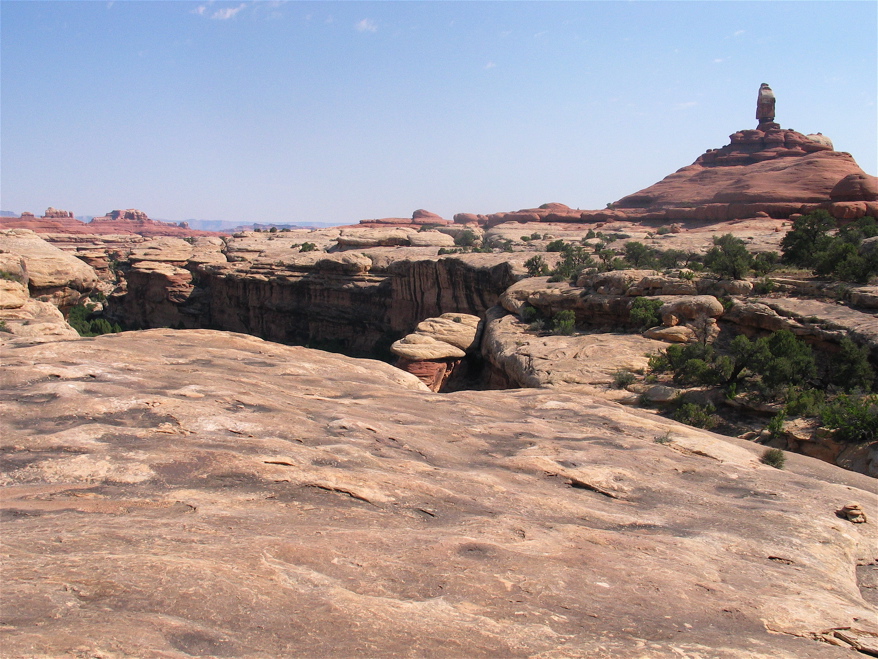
x: 130, y: 221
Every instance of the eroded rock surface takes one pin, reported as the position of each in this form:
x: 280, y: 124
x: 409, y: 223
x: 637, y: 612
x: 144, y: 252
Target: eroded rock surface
x: 198, y: 493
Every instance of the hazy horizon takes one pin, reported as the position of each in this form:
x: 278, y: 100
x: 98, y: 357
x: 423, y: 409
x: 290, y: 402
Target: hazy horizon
x: 332, y: 112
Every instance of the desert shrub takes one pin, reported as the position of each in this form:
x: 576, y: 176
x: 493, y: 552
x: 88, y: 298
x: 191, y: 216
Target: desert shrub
x: 5, y: 274
x: 790, y: 361
x: 639, y: 255
x: 80, y: 318
x: 764, y: 286
x: 529, y: 313
x: 804, y: 402
x: 775, y: 426
x: 622, y: 378
x: 4, y: 327
x: 465, y: 238
x: 574, y: 261
x: 671, y: 258
x: 536, y: 266
x: 808, y: 244
x: 564, y: 322
x: 774, y: 457
x: 308, y: 247
x: 807, y: 237
x: 663, y: 231
x: 765, y: 262
x: 556, y: 246
x: 728, y: 257
x: 537, y: 326
x: 526, y: 239
x: 644, y: 312
x: 700, y: 416
x: 854, y: 418
x: 688, y: 275
x: 536, y: 236
x: 850, y: 369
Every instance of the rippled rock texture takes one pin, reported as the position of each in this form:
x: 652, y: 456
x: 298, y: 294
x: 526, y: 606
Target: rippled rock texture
x: 197, y: 493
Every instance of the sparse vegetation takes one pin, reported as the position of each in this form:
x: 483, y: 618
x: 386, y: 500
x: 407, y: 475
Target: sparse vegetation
x: 809, y: 244
x: 564, y: 322
x: 622, y: 378
x: 729, y: 257
x: 700, y: 416
x: 4, y: 327
x: 537, y: 266
x: 80, y: 318
x: 774, y: 457
x: 308, y: 247
x: 644, y: 312
x: 466, y: 238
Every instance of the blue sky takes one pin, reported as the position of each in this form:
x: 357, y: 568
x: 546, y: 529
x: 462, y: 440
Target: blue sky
x: 339, y: 111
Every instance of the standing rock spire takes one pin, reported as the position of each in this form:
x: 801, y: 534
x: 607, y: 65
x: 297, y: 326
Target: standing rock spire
x: 765, y: 107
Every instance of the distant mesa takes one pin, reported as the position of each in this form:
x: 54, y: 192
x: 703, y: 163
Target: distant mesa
x: 419, y: 218
x: 128, y: 221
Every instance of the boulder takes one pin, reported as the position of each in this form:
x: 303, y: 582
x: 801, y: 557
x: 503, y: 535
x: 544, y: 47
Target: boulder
x: 458, y: 329
x: 690, y: 307
x: 419, y: 347
x: 674, y: 334
x: 13, y: 294
x: 431, y: 239
x: 857, y: 186
x: 364, y: 238
x: 48, y: 267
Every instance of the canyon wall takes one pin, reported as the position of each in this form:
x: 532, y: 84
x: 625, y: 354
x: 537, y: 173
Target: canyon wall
x: 358, y: 313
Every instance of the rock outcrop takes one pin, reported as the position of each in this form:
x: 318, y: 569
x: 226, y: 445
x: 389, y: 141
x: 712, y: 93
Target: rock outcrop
x: 434, y: 352
x: 50, y: 272
x: 197, y: 493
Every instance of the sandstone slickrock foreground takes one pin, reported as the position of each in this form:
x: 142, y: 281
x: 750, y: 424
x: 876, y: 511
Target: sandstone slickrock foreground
x: 198, y: 493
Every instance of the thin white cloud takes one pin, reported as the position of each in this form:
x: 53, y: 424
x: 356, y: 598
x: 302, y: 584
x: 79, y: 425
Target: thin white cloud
x: 720, y: 60
x: 738, y: 33
x: 686, y: 105
x: 200, y: 9
x: 540, y: 34
x: 228, y: 12
x: 366, y: 25
x: 490, y: 65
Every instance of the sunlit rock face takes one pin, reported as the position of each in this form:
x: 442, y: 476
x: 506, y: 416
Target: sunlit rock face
x: 199, y: 493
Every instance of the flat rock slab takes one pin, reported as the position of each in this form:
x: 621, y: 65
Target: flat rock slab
x: 196, y: 493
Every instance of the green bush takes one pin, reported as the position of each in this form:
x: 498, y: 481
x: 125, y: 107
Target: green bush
x: 775, y: 426
x: 308, y: 247
x: 808, y: 244
x: 774, y: 457
x: 556, y: 246
x: 79, y: 318
x: 663, y: 231
x: 465, y: 238
x: 728, y: 257
x: 574, y: 261
x: 4, y: 327
x: 639, y: 255
x: 700, y: 416
x: 850, y: 369
x: 854, y: 418
x: 536, y: 266
x: 764, y: 286
x: 529, y: 313
x: 564, y: 322
x: 765, y: 262
x: 644, y: 312
x: 622, y: 378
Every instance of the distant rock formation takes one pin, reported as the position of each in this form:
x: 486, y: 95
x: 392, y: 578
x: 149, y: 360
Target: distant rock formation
x: 129, y: 221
